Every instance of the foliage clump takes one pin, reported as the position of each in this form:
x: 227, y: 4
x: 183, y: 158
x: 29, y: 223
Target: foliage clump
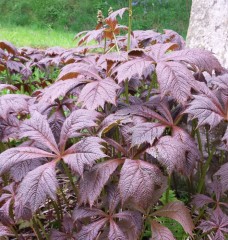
x: 95, y: 153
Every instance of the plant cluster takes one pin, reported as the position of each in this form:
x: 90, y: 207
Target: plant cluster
x: 131, y: 125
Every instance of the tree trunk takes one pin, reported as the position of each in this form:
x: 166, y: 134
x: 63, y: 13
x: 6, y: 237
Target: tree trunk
x: 208, y: 27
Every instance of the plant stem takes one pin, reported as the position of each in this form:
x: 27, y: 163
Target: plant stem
x: 208, y: 141
x: 168, y: 189
x: 126, y: 91
x: 116, y: 43
x: 69, y: 175
x: 15, y: 232
x: 41, y: 226
x: 153, y: 81
x: 204, y: 171
x: 64, y: 198
x: 129, y: 25
x: 57, y: 212
x: 128, y: 43
x: 36, y: 230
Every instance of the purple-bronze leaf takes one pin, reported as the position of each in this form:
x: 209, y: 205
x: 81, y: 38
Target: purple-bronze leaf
x: 38, y: 129
x: 137, y: 182
x: 218, y: 223
x: 201, y: 200
x: 205, y: 110
x: 90, y: 232
x: 203, y: 59
x: 133, y: 219
x: 222, y: 173
x: 170, y: 152
x: 9, y: 47
x: 146, y: 132
x: 160, y: 232
x: 13, y: 103
x: 192, y: 153
x: 80, y: 213
x: 5, y: 231
x: 175, y: 79
x: 94, y: 180
x: 157, y: 51
x: 20, y: 169
x: 17, y: 155
x: 57, y: 235
x: 73, y: 70
x: 118, y: 12
x: 37, y: 186
x: 7, y: 86
x: 78, y: 120
x: 5, y: 217
x: 59, y: 89
x: 96, y: 93
x: 113, y: 197
x: 137, y: 67
x: 115, y: 232
x: 177, y: 211
x: 85, y: 152
x: 56, y: 122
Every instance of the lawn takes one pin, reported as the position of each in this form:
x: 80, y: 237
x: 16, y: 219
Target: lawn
x: 36, y: 37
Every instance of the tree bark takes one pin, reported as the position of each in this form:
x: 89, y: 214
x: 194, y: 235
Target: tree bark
x: 208, y: 27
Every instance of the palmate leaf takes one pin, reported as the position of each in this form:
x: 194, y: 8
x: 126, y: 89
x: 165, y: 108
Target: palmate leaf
x: 59, y: 89
x: 130, y: 223
x: 225, y: 139
x: 158, y: 51
x: 7, y: 86
x: 106, y: 222
x: 67, y: 233
x: 56, y: 121
x: 146, y: 132
x: 93, y: 181
x: 175, y: 79
x: 222, y: 173
x: 201, y: 200
x: 98, y: 90
x: 192, y: 153
x: 9, y: 47
x: 80, y: 213
x: 117, y: 13
x: 218, y: 223
x: 207, y: 108
x: 90, y: 232
x: 177, y: 211
x: 160, y: 232
x: 137, y: 183
x: 200, y: 58
x: 75, y: 69
x: 38, y: 129
x: 37, y: 185
x: 57, y: 235
x: 13, y: 103
x: 14, y: 156
x: 20, y: 169
x: 78, y: 119
x: 85, y: 152
x: 96, y: 93
x: 171, y: 153
x: 137, y: 67
x: 220, y: 81
x: 5, y: 231
x: 115, y: 232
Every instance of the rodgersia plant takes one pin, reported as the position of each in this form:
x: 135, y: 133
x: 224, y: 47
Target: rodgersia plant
x: 90, y: 155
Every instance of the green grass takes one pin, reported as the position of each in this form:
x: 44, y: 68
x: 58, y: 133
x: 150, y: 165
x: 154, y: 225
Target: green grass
x: 44, y: 23
x: 36, y: 37
x: 76, y: 16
